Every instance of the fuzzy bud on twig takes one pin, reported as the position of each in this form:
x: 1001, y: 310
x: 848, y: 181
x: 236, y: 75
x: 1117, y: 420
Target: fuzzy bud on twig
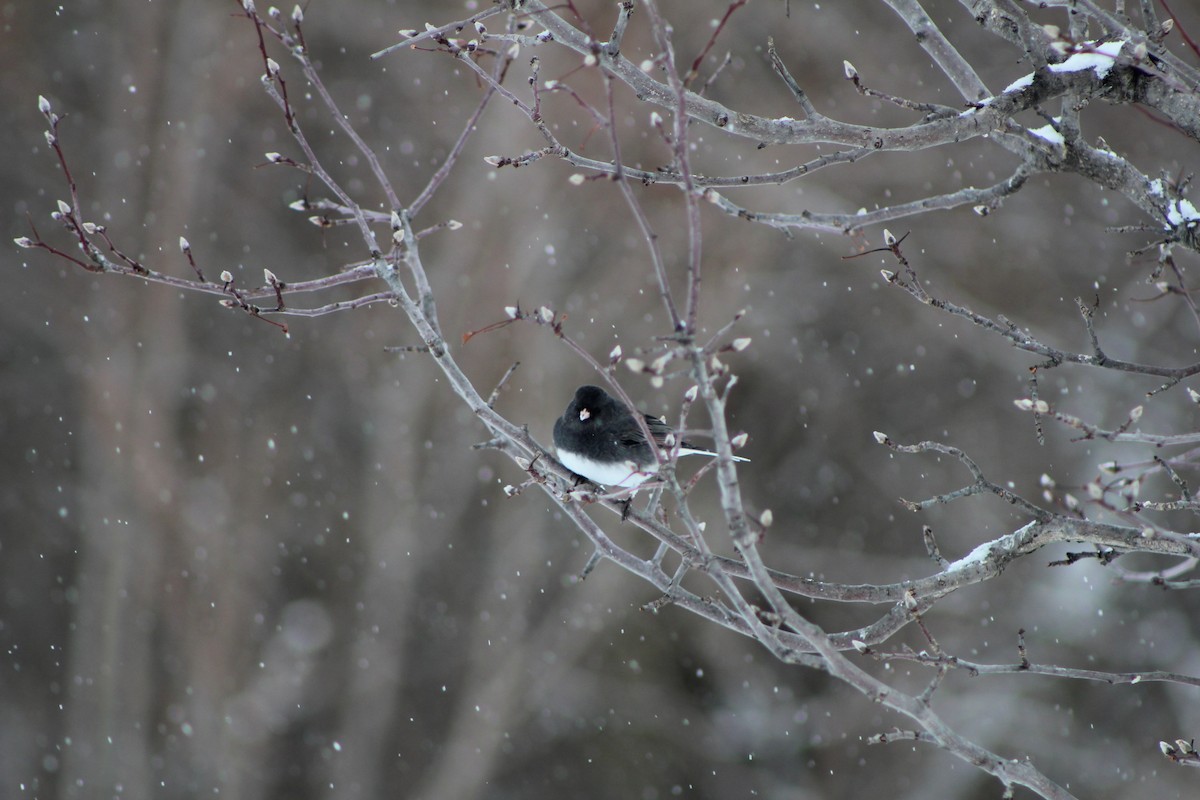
x: 888, y: 238
x: 690, y: 394
x: 739, y: 441
x: 23, y: 241
x: 297, y: 14
x: 63, y: 207
x: 226, y: 276
x: 851, y: 72
x: 183, y: 245
x: 43, y: 105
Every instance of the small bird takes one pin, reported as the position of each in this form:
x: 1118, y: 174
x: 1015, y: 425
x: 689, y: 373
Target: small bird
x: 599, y: 438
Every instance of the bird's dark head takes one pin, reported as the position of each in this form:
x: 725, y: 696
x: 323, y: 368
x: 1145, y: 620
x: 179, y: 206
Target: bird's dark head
x: 591, y: 404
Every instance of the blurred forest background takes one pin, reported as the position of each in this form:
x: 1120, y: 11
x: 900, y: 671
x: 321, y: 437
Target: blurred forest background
x: 239, y: 564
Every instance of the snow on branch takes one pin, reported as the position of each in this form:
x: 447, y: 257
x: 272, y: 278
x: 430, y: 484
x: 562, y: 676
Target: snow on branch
x: 1132, y: 70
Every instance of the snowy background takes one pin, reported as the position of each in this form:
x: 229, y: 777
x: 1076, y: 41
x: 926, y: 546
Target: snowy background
x: 238, y: 564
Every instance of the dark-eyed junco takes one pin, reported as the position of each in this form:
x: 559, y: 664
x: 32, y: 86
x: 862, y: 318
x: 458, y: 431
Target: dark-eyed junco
x: 599, y: 438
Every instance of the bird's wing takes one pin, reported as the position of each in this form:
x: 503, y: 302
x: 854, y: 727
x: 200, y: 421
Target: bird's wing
x: 659, y: 430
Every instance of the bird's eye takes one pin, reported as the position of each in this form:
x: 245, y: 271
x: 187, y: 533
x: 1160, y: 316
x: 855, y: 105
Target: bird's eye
x: 584, y: 414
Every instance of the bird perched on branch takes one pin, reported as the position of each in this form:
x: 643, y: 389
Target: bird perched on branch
x: 599, y: 438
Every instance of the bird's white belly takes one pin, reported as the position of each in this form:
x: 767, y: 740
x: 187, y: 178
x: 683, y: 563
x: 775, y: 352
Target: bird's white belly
x: 624, y: 475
